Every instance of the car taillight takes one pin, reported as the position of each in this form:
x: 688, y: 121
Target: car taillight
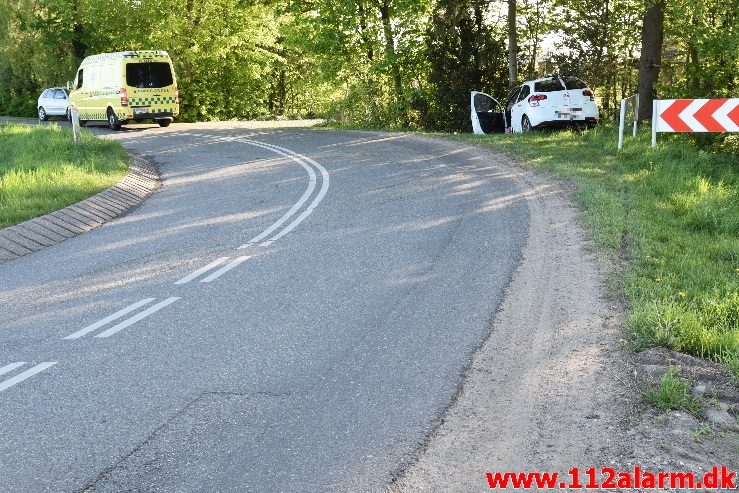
x: 588, y: 92
x: 124, y: 97
x: 176, y: 95
x: 534, y: 100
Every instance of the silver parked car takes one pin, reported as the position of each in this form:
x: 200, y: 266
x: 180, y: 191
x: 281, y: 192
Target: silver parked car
x: 53, y: 102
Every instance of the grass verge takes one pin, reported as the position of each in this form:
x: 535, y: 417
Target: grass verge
x: 43, y: 170
x: 668, y: 215
x: 673, y: 393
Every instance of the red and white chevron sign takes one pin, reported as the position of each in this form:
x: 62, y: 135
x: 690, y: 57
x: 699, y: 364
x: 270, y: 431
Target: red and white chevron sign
x: 697, y: 115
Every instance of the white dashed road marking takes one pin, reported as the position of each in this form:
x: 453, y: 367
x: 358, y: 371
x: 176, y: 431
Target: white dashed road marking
x: 12, y: 366
x: 225, y: 269
x: 109, y: 318
x: 23, y: 375
x: 263, y: 239
x: 198, y: 272
x: 130, y: 321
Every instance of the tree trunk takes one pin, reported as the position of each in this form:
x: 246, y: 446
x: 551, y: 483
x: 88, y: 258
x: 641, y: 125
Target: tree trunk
x: 79, y: 47
x: 390, y: 49
x: 512, y: 44
x: 363, y: 31
x: 651, y: 55
x: 693, y: 61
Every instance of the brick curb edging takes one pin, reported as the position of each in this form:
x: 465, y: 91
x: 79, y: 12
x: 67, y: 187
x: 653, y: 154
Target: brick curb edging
x: 55, y: 227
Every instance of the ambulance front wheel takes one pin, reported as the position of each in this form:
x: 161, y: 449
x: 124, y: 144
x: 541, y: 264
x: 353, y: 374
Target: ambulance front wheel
x: 164, y: 123
x: 113, y: 122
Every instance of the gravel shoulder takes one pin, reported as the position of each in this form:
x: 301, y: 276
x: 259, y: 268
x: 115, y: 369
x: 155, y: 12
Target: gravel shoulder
x: 545, y: 391
x: 554, y: 386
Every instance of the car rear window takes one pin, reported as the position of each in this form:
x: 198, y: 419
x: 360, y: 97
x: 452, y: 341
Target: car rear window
x: 549, y: 85
x: 574, y: 83
x: 148, y: 74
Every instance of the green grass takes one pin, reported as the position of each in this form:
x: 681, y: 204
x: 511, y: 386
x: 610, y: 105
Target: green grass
x: 43, y: 170
x: 673, y: 393
x: 668, y: 217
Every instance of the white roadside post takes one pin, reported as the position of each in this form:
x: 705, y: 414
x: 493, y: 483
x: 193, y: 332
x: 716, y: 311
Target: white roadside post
x: 75, y: 123
x: 636, y: 113
x: 655, y: 116
x: 633, y: 103
x: 621, y: 122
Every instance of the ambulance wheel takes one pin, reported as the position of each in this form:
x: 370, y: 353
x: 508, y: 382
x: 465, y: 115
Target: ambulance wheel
x: 164, y: 123
x: 113, y: 122
x: 42, y: 114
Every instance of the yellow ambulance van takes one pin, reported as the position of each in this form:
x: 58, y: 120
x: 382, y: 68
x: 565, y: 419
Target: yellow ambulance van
x: 129, y: 85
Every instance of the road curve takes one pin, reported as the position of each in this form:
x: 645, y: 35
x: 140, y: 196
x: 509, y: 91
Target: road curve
x: 292, y: 311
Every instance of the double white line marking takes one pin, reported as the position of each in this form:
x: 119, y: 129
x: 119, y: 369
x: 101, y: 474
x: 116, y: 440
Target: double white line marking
x: 308, y: 164
x: 311, y: 167
x: 6, y: 384
x: 213, y: 265
x: 126, y: 323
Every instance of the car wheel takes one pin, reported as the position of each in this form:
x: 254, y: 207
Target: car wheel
x: 164, y: 123
x: 525, y: 124
x: 42, y: 114
x: 113, y: 122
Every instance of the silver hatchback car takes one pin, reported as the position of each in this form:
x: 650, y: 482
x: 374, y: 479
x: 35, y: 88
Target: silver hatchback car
x: 53, y: 102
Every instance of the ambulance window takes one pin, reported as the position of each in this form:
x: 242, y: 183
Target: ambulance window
x: 149, y: 74
x: 106, y: 78
x: 79, y: 79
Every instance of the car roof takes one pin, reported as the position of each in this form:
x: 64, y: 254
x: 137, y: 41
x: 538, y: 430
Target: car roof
x: 550, y: 77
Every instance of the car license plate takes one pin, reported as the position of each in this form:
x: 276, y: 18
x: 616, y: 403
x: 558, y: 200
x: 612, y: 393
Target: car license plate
x: 573, y: 114
x: 139, y: 111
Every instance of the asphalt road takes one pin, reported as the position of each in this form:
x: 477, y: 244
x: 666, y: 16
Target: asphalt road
x: 160, y: 356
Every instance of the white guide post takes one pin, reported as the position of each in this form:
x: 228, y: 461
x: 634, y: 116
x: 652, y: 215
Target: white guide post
x: 655, y: 116
x: 75, y: 123
x: 636, y: 113
x: 621, y: 124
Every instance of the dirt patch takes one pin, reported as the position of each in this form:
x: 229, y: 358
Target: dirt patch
x: 678, y: 440
x: 554, y: 387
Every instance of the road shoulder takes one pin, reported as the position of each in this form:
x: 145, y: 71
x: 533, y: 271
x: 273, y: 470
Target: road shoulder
x: 549, y: 389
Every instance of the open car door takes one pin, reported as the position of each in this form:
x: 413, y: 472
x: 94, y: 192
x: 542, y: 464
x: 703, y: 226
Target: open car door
x: 486, y: 114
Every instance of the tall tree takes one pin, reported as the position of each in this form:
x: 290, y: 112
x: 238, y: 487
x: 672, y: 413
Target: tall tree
x: 386, y: 16
x: 465, y: 54
x: 599, y: 43
x: 650, y: 60
x: 512, y: 44
x: 534, y: 20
